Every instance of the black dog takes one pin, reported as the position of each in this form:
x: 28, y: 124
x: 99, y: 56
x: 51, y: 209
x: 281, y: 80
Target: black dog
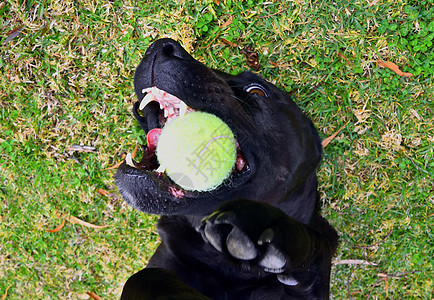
x: 259, y: 235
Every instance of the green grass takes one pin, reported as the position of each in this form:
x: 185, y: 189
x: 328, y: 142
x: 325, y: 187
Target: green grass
x: 67, y: 80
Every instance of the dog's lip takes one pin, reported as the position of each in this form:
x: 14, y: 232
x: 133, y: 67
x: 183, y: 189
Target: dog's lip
x: 174, y: 107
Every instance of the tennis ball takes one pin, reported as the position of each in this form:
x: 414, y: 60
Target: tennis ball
x: 197, y: 151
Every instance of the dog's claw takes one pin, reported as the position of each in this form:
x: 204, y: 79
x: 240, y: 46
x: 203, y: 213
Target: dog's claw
x: 266, y: 237
x: 225, y: 218
x: 273, y: 260
x: 220, y: 230
x: 210, y: 217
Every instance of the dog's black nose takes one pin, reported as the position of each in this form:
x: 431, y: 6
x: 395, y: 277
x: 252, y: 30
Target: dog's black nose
x: 163, y: 58
x: 168, y: 48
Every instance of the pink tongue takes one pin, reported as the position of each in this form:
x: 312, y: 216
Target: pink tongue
x: 152, y: 139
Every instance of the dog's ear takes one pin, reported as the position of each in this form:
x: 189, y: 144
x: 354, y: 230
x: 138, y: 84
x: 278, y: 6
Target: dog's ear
x: 304, y: 163
x: 317, y: 146
x: 316, y: 150
x: 223, y: 75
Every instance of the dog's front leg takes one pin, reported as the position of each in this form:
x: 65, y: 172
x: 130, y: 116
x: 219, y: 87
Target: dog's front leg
x: 263, y: 239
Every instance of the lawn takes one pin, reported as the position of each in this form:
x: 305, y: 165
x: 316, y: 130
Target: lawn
x: 66, y: 92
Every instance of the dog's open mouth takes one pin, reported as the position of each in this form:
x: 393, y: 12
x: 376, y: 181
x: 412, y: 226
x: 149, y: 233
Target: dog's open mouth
x: 162, y: 108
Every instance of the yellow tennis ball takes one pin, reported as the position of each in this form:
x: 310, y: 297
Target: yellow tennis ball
x: 197, y: 151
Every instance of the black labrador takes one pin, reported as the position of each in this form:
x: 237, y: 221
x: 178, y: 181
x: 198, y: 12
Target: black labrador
x: 259, y: 235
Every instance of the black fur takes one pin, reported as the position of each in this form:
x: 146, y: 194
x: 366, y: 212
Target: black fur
x: 260, y: 234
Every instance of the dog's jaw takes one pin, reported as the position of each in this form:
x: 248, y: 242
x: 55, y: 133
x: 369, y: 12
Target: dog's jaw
x: 154, y: 193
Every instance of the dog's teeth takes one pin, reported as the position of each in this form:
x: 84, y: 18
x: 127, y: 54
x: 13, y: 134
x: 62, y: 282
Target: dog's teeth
x: 182, y: 109
x: 161, y: 169
x: 171, y: 111
x: 166, y: 113
x: 161, y: 106
x: 129, y: 160
x: 148, y: 98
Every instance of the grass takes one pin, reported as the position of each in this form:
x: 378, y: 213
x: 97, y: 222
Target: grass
x: 67, y: 70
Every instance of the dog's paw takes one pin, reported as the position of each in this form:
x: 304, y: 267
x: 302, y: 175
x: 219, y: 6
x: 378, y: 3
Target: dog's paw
x: 222, y: 232
x: 254, y: 233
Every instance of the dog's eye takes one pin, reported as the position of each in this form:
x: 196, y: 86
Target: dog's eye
x: 257, y: 90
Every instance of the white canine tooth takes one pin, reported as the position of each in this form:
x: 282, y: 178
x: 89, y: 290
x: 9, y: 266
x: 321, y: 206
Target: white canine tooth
x: 129, y: 160
x: 182, y: 109
x: 161, y: 169
x: 148, y: 98
x: 166, y: 113
x: 161, y: 106
x: 171, y: 111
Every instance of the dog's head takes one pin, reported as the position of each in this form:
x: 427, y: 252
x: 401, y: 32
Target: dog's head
x: 279, y: 149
